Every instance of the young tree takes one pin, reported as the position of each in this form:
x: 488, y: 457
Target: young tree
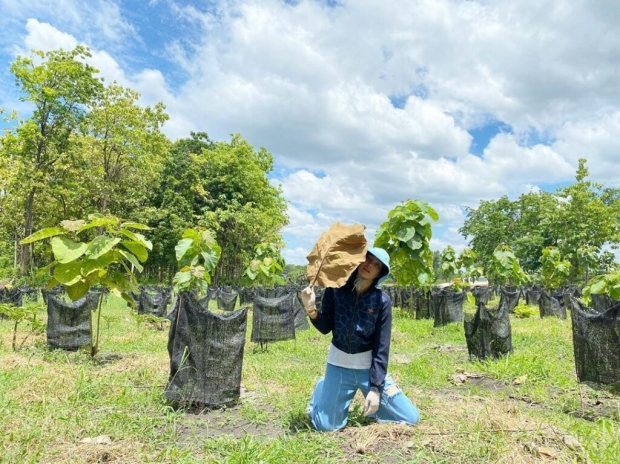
x: 266, y: 267
x: 406, y: 237
x: 81, y: 261
x: 555, y: 271
x: 505, y: 268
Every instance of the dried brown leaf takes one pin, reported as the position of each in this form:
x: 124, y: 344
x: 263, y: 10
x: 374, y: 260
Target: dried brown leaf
x: 336, y: 254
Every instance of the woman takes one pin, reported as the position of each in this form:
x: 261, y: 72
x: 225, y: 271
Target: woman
x: 359, y: 316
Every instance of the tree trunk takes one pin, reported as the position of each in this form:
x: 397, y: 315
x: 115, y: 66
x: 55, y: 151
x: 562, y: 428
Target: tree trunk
x: 25, y: 256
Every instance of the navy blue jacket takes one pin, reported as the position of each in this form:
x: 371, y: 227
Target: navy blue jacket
x: 358, y: 323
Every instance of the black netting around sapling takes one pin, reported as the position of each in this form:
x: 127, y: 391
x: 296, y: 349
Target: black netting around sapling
x: 227, y: 300
x: 273, y: 320
x: 488, y: 334
x: 549, y: 306
x: 68, y: 323
x: 206, y: 355
x: 481, y: 294
x: 154, y: 300
x: 596, y: 338
x: 509, y: 298
x: 448, y: 307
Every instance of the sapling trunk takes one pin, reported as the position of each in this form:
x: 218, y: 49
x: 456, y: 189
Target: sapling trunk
x: 95, y: 348
x: 15, y: 336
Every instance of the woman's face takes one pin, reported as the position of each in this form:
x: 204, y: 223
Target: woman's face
x: 370, y: 268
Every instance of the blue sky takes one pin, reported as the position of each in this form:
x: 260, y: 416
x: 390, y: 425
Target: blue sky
x: 363, y: 103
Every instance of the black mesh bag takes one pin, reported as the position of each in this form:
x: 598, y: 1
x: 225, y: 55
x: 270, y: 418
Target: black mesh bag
x: 448, y: 307
x: 488, y: 334
x: 407, y: 301
x: 299, y: 313
x: 509, y: 298
x: 273, y: 320
x: 206, y: 355
x: 532, y: 295
x: 558, y: 294
x: 68, y: 323
x: 550, y: 306
x: 247, y: 295
x: 154, y: 300
x: 58, y: 291
x: 596, y: 338
x: 268, y: 293
x: 212, y: 292
x: 227, y: 300
x: 12, y: 296
x: 601, y: 302
x: 423, y: 305
x: 481, y: 294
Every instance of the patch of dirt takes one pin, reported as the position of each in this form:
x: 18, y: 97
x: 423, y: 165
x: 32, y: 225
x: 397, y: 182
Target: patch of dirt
x: 592, y: 409
x: 449, y: 348
x: 455, y: 424
x: 257, y: 420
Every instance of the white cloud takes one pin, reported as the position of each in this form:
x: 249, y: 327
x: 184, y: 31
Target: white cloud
x: 43, y: 36
x: 313, y: 85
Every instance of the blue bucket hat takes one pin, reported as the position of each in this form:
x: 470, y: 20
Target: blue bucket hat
x: 382, y: 256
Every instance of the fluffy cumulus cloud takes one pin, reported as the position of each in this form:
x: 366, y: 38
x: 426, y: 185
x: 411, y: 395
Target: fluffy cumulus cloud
x: 367, y: 103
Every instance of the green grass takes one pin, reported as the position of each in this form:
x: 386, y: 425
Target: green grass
x: 508, y: 410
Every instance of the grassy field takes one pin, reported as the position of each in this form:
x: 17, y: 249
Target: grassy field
x: 64, y: 407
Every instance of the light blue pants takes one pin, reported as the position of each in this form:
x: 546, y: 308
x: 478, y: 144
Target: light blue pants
x: 333, y: 394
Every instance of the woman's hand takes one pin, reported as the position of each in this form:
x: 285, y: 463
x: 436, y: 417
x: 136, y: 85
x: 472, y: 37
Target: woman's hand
x: 308, y: 300
x: 371, y: 405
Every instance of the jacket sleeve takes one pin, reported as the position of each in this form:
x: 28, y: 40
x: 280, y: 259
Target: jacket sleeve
x: 381, y: 345
x: 324, y: 321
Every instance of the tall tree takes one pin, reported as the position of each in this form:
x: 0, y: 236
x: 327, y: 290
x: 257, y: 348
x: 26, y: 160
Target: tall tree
x: 585, y: 216
x: 223, y: 186
x: 532, y: 231
x: 178, y: 200
x: 124, y: 150
x: 61, y: 87
x: 242, y: 206
x: 492, y: 223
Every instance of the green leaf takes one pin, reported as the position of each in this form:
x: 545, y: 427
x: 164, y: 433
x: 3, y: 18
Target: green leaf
x: 181, y: 280
x: 182, y: 247
x: 102, y: 262
x: 68, y: 273
x: 77, y: 290
x: 43, y: 234
x: 132, y: 259
x: 66, y: 250
x: 136, y: 237
x: 405, y: 234
x: 598, y: 287
x: 210, y: 260
x: 101, y: 245
x: 127, y: 297
x: 134, y: 225
x: 137, y: 249
x: 51, y: 284
x: 123, y: 283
